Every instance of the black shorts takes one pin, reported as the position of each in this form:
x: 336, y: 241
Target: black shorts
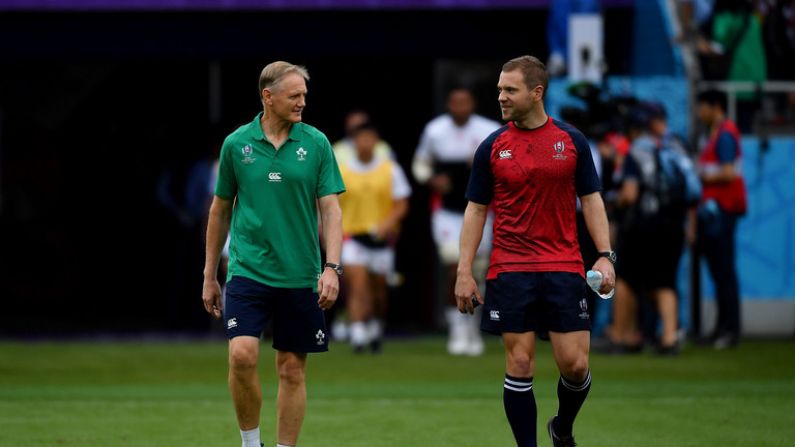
x: 298, y: 322
x: 536, y: 301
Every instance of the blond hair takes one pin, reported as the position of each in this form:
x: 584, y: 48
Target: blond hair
x: 534, y: 71
x: 274, y: 72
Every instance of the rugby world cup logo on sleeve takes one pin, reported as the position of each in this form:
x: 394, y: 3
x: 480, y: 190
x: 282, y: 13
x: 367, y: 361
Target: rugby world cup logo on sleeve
x: 559, y: 147
x: 247, y: 151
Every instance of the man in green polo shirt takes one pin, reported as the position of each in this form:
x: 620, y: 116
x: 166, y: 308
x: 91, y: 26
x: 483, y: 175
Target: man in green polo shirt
x: 274, y: 175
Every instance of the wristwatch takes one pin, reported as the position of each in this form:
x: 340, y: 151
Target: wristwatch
x: 336, y: 267
x: 610, y: 255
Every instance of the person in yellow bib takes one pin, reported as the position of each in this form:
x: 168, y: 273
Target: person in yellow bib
x: 372, y: 208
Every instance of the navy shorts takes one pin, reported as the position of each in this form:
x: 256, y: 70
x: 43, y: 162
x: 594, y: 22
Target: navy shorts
x: 298, y: 323
x: 536, y: 302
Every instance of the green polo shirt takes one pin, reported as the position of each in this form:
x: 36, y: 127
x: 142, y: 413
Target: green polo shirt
x: 274, y: 231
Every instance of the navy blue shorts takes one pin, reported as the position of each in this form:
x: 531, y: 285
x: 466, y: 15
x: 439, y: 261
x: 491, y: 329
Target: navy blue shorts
x: 298, y: 322
x: 536, y: 301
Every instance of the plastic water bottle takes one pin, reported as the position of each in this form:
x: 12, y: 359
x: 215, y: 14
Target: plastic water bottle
x: 594, y: 280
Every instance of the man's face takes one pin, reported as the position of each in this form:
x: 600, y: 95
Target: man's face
x: 365, y: 141
x: 516, y: 100
x: 461, y: 105
x: 288, y: 98
x: 658, y: 126
x: 704, y: 113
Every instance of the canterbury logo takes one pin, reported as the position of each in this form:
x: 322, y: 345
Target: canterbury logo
x: 505, y: 154
x: 275, y: 176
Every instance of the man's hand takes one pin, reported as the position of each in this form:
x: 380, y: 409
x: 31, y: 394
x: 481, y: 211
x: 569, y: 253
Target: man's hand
x: 382, y: 232
x: 608, y: 274
x: 211, y: 296
x: 328, y: 286
x: 441, y: 183
x: 465, y: 287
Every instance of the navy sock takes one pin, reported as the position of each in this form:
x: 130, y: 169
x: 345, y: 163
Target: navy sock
x: 520, y: 408
x: 571, y: 395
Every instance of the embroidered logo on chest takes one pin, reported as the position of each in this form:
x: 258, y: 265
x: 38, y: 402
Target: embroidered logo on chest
x: 505, y: 154
x: 247, y: 151
x: 559, y: 148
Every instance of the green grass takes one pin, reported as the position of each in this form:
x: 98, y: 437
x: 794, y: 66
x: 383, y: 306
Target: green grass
x: 174, y: 394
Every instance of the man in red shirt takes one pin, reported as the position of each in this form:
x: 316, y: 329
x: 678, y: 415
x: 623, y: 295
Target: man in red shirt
x: 723, y: 202
x: 531, y: 171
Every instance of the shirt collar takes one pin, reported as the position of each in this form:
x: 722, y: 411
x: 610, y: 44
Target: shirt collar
x: 259, y: 135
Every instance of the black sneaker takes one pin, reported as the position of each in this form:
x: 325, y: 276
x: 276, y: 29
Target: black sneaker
x: 726, y: 340
x: 376, y: 346
x: 559, y: 441
x: 358, y: 349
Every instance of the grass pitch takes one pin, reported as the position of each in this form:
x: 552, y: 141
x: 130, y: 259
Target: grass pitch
x: 174, y: 394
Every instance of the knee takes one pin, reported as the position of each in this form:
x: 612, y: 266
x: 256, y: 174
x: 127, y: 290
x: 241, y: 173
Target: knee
x: 521, y: 365
x: 575, y: 368
x: 242, y: 359
x: 291, y: 372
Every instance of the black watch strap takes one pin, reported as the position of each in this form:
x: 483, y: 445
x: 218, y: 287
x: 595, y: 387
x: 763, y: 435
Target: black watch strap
x: 610, y: 255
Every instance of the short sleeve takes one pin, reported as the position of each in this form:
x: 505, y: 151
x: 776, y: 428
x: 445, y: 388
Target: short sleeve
x: 481, y: 180
x: 226, y: 185
x: 401, y: 188
x: 329, y: 179
x: 726, y: 148
x: 585, y: 178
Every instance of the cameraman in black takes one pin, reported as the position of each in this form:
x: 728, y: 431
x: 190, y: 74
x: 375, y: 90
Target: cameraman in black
x: 659, y: 191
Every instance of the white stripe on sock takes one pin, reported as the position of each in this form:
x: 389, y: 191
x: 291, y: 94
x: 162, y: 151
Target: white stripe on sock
x: 579, y: 387
x: 521, y: 390
x: 518, y: 383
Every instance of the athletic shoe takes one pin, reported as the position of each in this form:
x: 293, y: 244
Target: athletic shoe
x: 559, y: 441
x: 670, y: 350
x: 475, y: 347
x: 358, y: 349
x: 726, y: 340
x: 376, y: 346
x: 457, y: 342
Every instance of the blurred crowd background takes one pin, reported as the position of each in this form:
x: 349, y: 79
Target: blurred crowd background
x: 112, y: 115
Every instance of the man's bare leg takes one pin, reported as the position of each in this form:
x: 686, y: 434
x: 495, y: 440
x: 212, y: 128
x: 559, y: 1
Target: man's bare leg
x: 244, y: 384
x: 291, y: 400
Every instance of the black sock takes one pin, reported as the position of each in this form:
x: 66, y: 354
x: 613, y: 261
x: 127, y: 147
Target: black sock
x: 571, y: 395
x: 520, y: 408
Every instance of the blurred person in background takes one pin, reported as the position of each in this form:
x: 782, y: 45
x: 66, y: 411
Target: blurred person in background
x: 694, y: 16
x: 345, y: 149
x: 735, y: 51
x: 182, y: 190
x: 443, y: 161
x: 724, y: 201
x: 274, y: 175
x: 658, y: 195
x: 375, y: 202
x: 533, y: 170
